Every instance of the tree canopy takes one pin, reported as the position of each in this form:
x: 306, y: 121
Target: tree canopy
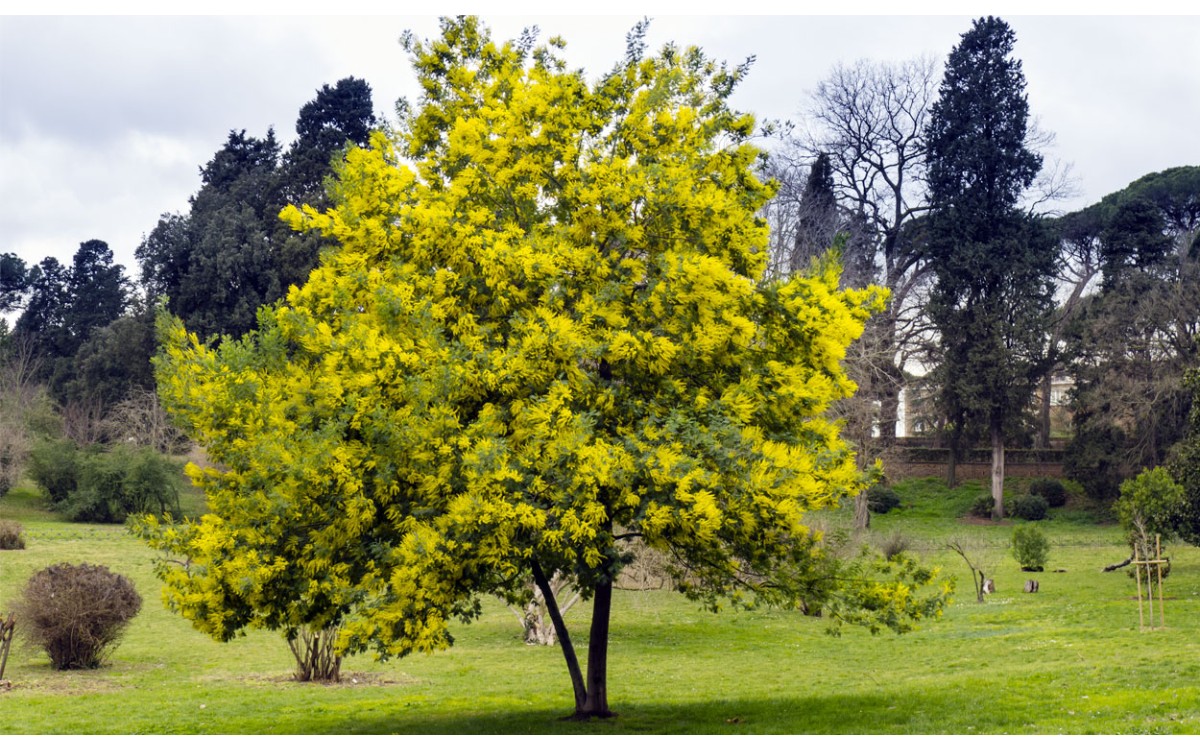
x: 230, y: 254
x: 1132, y: 341
x: 544, y: 333
x: 992, y: 262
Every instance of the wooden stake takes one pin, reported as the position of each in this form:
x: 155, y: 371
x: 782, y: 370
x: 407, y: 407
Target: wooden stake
x: 1137, y: 574
x: 1162, y: 608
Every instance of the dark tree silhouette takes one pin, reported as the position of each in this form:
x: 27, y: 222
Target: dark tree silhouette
x: 993, y: 263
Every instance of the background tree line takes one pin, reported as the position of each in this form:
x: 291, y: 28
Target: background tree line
x: 76, y: 363
x: 1110, y: 300
x: 939, y: 188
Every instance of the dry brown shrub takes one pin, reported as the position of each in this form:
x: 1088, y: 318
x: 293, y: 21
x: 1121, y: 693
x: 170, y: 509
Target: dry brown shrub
x: 77, y: 613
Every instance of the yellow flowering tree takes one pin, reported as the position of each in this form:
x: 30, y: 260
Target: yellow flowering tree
x: 542, y: 330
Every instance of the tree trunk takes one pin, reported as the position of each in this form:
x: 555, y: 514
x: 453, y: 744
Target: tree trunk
x: 998, y: 471
x: 1043, y: 440
x: 564, y: 638
x: 889, y: 406
x: 538, y: 632
x: 952, y: 465
x: 596, y: 703
x: 862, y: 514
x: 316, y: 658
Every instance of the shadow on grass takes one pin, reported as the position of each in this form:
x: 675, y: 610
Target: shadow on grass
x: 882, y: 713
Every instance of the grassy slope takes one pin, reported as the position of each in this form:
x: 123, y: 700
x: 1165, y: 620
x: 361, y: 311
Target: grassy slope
x: 1069, y: 659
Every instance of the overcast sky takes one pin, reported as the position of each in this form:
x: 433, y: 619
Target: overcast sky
x: 105, y: 121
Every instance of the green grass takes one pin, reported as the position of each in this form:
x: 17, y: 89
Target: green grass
x: 1070, y: 659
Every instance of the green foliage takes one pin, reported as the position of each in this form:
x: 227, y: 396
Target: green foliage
x: 54, y: 466
x: 43, y: 321
x: 1029, y: 507
x: 14, y: 280
x: 1030, y: 547
x: 66, y: 305
x: 881, y: 499
x: 983, y: 506
x: 123, y: 482
x: 543, y: 326
x: 1051, y: 489
x: 1185, y: 467
x: 992, y: 263
x: 114, y: 362
x: 1131, y: 345
x: 11, y: 535
x: 104, y: 487
x: 1095, y: 458
x: 77, y: 613
x: 1151, y: 503
x: 339, y: 115
x: 230, y: 254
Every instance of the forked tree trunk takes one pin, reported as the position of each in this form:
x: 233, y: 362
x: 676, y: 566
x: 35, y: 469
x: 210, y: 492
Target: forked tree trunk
x: 591, y: 697
x: 537, y: 632
x: 317, y: 659
x: 998, y: 471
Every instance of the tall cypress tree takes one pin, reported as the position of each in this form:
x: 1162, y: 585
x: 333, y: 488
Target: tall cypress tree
x: 992, y: 262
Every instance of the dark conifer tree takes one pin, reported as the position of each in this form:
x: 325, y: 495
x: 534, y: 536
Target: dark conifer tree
x: 14, y: 281
x: 992, y: 262
x: 230, y: 254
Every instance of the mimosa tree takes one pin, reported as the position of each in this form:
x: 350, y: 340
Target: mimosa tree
x: 542, y: 330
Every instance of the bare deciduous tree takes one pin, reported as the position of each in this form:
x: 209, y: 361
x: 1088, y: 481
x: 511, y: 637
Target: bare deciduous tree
x: 534, y: 615
x: 868, y: 120
x: 979, y: 559
x: 141, y: 420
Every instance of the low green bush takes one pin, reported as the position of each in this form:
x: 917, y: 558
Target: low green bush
x: 54, y: 466
x: 121, y: 483
x: 1029, y: 507
x: 882, y: 499
x: 1030, y: 547
x: 982, y: 507
x: 104, y: 487
x: 1051, y: 489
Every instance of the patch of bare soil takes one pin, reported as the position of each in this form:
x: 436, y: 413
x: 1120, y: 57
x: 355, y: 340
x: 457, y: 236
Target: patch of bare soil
x: 349, y: 680
x: 977, y: 521
x: 61, y: 683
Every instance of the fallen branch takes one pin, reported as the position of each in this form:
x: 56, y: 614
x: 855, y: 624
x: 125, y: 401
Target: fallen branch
x: 1114, y: 566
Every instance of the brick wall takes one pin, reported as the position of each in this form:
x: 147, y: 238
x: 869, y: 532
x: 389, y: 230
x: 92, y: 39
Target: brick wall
x: 919, y: 458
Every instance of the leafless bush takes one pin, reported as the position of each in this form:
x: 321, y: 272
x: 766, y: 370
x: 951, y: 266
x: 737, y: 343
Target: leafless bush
x: 141, y: 420
x: 83, y: 421
x: 77, y: 613
x: 894, y: 545
x: 11, y: 535
x: 14, y: 451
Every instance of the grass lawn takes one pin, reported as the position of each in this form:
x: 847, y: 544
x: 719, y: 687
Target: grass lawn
x: 1070, y: 659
